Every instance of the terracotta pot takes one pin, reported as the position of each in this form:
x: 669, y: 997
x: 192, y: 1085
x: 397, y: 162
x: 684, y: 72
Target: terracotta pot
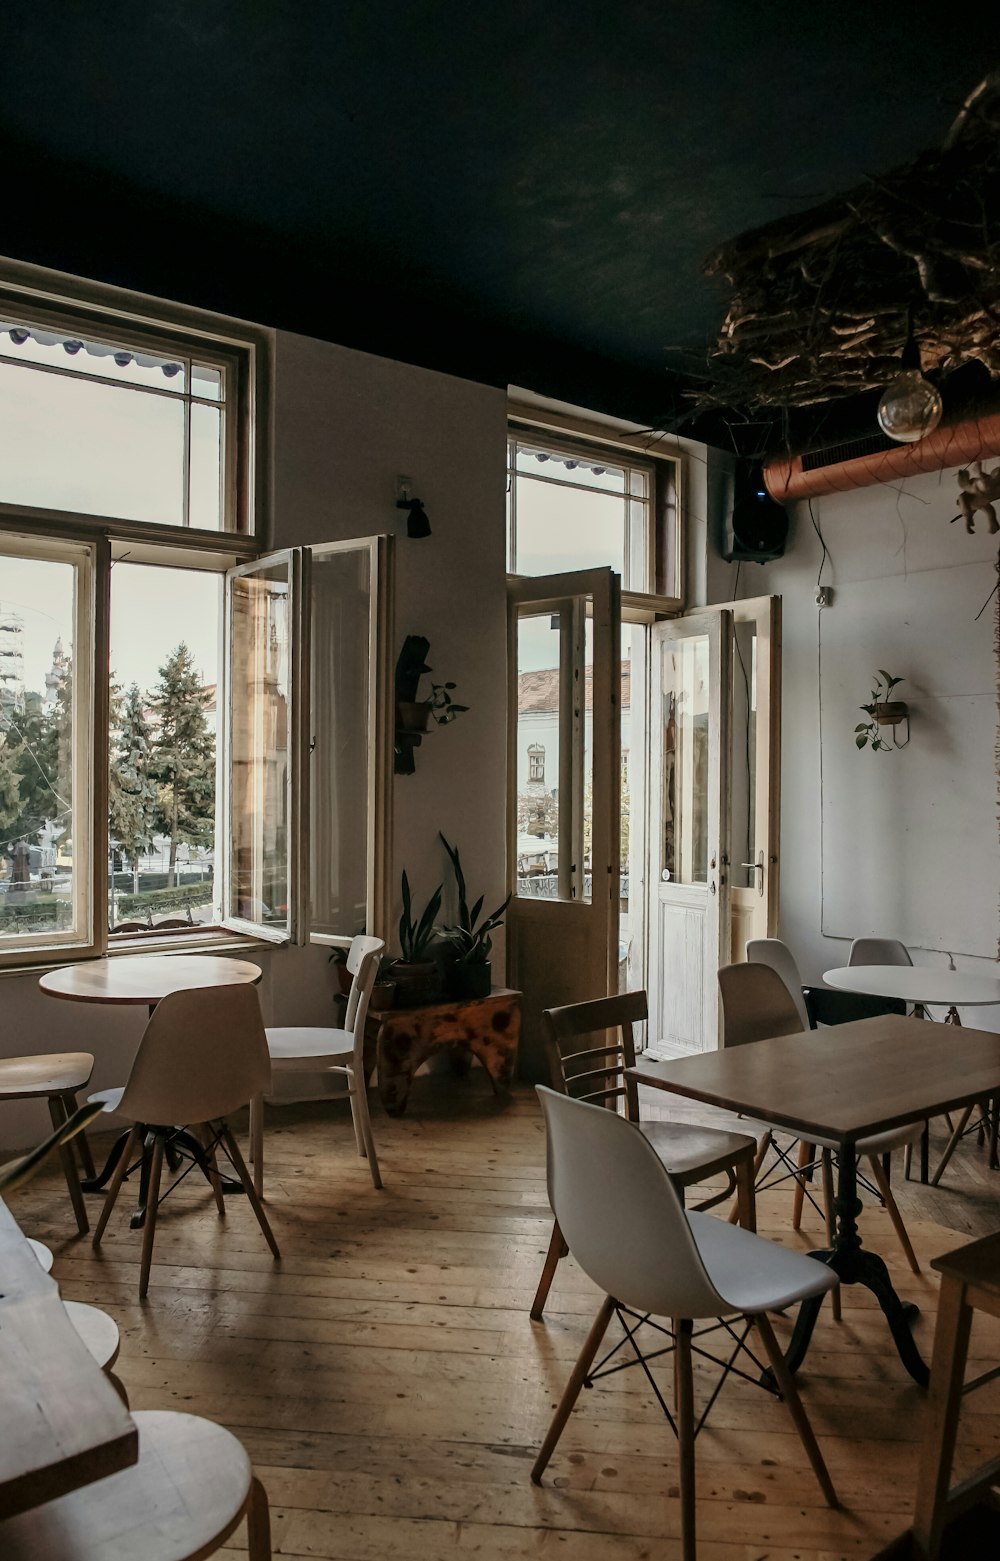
x: 383, y: 997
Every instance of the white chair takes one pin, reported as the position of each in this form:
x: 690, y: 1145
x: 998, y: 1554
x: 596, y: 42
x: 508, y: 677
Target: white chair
x: 756, y: 1003
x: 322, y: 1049
x: 773, y: 952
x: 624, y: 1224
x: 203, y: 1055
x: 878, y: 951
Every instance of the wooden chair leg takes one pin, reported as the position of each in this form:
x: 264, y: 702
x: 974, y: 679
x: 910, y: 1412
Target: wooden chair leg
x: 806, y: 1154
x: 57, y: 1112
x: 952, y: 1144
x: 363, y: 1124
x: 258, y: 1523
x: 762, y: 1149
x: 746, y: 1200
x: 951, y: 1348
x: 257, y: 1143
x: 239, y: 1166
x: 892, y: 1209
x: 826, y: 1163
x: 215, y: 1181
x: 553, y: 1257
x: 684, y: 1388
x: 790, y: 1393
x: 149, y: 1228
x: 80, y: 1143
x: 572, y: 1390
x: 114, y: 1186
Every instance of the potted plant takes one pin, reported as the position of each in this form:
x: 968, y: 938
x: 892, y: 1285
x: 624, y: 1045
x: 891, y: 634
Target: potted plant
x: 881, y: 712
x: 416, y: 973
x: 384, y: 991
x: 471, y: 973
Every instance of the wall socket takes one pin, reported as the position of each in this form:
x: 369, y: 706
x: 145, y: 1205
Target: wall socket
x: 824, y: 596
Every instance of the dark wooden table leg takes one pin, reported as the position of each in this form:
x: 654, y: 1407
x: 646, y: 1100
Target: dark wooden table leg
x: 855, y: 1266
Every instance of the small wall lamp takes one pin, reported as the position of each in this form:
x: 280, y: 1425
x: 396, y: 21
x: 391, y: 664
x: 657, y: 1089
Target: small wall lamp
x: 417, y: 524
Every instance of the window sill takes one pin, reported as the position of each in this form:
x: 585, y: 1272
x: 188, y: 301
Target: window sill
x: 214, y: 940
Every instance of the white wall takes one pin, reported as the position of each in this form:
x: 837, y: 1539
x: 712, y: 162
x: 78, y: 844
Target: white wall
x: 904, y: 844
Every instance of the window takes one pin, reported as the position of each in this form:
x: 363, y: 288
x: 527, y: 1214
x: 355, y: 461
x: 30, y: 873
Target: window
x: 574, y: 505
x: 155, y: 712
x: 536, y: 762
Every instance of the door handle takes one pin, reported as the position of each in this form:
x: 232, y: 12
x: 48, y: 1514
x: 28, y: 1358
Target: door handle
x: 757, y: 867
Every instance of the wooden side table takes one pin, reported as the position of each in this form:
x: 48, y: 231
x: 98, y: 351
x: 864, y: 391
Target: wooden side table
x: 970, y: 1281
x: 402, y: 1038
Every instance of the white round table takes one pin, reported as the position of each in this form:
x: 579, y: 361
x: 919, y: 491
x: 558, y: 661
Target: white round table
x: 919, y: 985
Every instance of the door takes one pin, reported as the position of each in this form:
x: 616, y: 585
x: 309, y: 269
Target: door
x: 756, y: 771
x: 564, y: 785
x: 688, y: 895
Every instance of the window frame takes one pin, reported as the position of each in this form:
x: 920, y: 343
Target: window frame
x: 663, y: 546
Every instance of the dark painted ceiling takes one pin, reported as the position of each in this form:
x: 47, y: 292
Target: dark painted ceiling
x: 520, y: 192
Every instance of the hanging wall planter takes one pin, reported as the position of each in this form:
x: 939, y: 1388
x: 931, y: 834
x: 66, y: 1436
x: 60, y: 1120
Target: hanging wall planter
x: 413, y: 715
x: 882, y: 713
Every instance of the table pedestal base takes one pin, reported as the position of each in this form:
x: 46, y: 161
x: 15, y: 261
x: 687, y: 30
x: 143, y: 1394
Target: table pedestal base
x: 181, y: 1140
x: 862, y: 1268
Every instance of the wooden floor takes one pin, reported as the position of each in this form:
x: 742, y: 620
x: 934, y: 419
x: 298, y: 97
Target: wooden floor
x: 392, y: 1392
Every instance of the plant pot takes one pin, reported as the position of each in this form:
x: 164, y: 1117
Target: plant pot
x: 891, y: 711
x: 383, y: 997
x: 416, y: 983
x: 468, y: 981
x: 412, y: 716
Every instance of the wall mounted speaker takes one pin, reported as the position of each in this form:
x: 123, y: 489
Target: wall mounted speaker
x: 757, y: 526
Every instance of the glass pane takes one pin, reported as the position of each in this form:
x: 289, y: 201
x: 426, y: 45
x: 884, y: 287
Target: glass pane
x: 744, y: 771
x: 538, y: 696
x: 260, y: 663
x: 565, y: 528
x: 206, y: 382
x: 631, y: 921
x: 164, y: 738
x: 206, y: 468
x: 340, y: 750
x: 100, y: 359
x: 583, y: 470
x: 684, y: 738
x: 38, y: 715
x: 98, y: 449
x: 583, y: 884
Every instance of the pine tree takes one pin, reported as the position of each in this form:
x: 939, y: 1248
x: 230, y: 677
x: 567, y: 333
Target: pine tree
x: 132, y: 793
x: 10, y: 787
x: 182, y: 760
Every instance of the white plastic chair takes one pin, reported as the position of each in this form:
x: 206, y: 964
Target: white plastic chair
x: 878, y: 951
x: 624, y: 1224
x: 773, y: 952
x: 322, y: 1049
x: 203, y: 1055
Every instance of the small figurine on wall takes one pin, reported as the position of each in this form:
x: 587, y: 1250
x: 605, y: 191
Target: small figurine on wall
x: 977, y: 490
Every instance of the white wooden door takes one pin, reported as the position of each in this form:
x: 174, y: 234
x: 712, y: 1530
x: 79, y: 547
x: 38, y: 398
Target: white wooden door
x: 756, y: 771
x: 564, y: 787
x: 688, y: 799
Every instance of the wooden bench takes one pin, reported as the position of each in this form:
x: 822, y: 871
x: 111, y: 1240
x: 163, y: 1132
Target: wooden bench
x: 402, y: 1038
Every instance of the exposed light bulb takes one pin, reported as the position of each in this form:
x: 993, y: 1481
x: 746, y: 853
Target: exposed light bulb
x: 910, y: 408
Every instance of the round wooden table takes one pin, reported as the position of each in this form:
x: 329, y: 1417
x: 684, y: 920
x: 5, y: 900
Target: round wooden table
x: 145, y: 979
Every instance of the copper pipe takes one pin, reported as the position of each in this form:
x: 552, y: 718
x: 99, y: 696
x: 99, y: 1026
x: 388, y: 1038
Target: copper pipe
x: 950, y: 445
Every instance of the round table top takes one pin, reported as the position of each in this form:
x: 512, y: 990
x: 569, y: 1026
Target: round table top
x: 917, y: 984
x: 145, y: 978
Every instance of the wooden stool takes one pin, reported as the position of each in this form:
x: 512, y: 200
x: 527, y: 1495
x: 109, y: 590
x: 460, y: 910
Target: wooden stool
x: 42, y: 1253
x: 182, y: 1500
x: 970, y: 1281
x: 57, y: 1076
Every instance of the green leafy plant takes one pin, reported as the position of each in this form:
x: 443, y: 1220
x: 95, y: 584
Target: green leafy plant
x: 471, y: 937
x: 870, y: 731
x: 416, y: 934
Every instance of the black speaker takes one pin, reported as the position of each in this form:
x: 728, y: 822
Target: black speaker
x: 757, y: 526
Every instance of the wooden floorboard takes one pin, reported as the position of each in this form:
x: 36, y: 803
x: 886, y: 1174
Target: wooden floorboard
x: 392, y: 1391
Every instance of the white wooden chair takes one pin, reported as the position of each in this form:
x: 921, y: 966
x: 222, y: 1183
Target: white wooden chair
x: 203, y: 1055
x: 624, y: 1224
x: 324, y: 1049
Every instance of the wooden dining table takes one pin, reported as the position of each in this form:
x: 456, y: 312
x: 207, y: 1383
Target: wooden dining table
x: 63, y: 1424
x: 846, y: 1082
